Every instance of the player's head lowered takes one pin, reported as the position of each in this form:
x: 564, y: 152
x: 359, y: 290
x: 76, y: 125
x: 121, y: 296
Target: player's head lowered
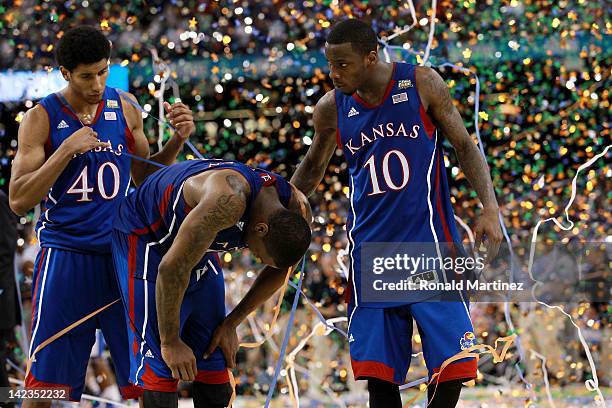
x: 351, y: 50
x: 83, y: 55
x: 279, y: 238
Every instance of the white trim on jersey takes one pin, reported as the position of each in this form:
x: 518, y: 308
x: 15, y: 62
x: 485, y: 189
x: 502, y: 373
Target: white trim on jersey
x: 51, y: 197
x: 42, y: 226
x: 429, y: 206
x: 40, y: 301
x: 213, y: 267
x: 350, y: 235
x: 144, y: 279
x: 467, y: 311
x: 127, y: 189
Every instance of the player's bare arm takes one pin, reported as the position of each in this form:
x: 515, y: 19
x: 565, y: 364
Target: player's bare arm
x: 311, y: 170
x: 180, y: 117
x: 437, y: 102
x: 268, y: 281
x: 31, y: 175
x: 220, y: 201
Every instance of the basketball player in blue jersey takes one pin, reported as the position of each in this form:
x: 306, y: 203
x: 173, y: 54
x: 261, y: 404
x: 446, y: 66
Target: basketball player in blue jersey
x: 165, y: 242
x: 389, y: 119
x: 70, y: 154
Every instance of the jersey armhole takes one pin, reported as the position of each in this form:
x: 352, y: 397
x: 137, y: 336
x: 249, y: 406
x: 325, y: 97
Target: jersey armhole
x: 129, y: 136
x: 48, y: 145
x: 338, y: 135
x: 430, y: 128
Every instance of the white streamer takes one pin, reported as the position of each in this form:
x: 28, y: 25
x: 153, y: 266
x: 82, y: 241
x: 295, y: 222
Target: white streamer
x: 545, y: 374
x: 592, y: 384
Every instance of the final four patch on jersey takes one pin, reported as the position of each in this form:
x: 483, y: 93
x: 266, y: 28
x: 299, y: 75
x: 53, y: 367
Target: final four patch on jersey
x: 405, y: 83
x: 400, y: 97
x: 110, y: 116
x: 112, y: 103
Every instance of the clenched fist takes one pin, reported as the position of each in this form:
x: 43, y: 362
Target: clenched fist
x: 83, y: 140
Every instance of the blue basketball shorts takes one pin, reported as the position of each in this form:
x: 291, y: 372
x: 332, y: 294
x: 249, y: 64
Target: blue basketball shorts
x: 68, y: 286
x: 202, y: 310
x: 380, y: 340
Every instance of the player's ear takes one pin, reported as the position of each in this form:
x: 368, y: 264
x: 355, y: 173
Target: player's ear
x: 65, y: 73
x: 261, y: 229
x: 372, y: 57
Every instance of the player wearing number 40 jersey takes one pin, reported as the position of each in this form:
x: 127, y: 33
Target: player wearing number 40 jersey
x: 70, y: 154
x: 388, y: 119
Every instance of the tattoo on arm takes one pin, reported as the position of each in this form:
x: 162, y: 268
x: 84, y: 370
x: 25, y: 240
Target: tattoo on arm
x: 446, y: 116
x: 171, y: 284
x: 311, y: 170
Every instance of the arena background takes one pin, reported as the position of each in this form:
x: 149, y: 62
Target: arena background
x: 531, y: 78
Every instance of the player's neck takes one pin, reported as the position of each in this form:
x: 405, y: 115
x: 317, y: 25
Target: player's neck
x: 374, y: 90
x: 266, y: 202
x: 78, y: 104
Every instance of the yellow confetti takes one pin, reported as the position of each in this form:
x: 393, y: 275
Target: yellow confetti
x: 555, y: 23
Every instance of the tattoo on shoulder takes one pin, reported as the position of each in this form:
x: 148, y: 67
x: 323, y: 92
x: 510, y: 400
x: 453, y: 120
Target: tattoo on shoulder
x: 222, y: 215
x: 224, y: 212
x: 234, y: 182
x: 438, y: 91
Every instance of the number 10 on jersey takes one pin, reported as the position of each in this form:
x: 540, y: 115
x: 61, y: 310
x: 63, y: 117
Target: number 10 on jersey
x: 372, y: 167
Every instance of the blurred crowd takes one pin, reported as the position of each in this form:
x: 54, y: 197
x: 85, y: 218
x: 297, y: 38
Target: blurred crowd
x: 544, y: 110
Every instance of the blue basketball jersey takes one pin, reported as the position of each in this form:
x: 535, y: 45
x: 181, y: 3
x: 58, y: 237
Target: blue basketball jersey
x: 157, y: 209
x: 398, y: 186
x: 79, y: 209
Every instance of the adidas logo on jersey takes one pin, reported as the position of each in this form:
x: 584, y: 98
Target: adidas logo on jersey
x: 62, y: 125
x: 353, y: 112
x: 351, y: 338
x: 149, y: 354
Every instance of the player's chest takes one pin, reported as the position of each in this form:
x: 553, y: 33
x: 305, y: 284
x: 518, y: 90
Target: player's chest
x: 109, y: 125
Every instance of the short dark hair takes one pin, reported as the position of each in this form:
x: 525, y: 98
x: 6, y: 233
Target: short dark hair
x: 82, y: 45
x: 362, y: 37
x: 288, y: 237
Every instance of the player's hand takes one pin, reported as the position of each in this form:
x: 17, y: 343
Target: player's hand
x: 83, y: 140
x: 181, y: 360
x: 226, y: 339
x: 488, y: 224
x: 181, y: 118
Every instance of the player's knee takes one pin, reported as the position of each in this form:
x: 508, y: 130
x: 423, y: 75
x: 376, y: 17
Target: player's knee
x: 377, y: 385
x: 383, y: 394
x: 446, y: 395
x: 211, y: 395
x: 159, y: 399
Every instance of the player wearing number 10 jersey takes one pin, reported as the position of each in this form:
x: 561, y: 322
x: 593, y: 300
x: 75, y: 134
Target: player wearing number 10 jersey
x: 71, y: 153
x: 386, y: 117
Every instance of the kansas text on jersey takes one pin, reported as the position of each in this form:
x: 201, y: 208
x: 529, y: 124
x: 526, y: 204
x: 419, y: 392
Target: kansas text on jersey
x: 79, y: 209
